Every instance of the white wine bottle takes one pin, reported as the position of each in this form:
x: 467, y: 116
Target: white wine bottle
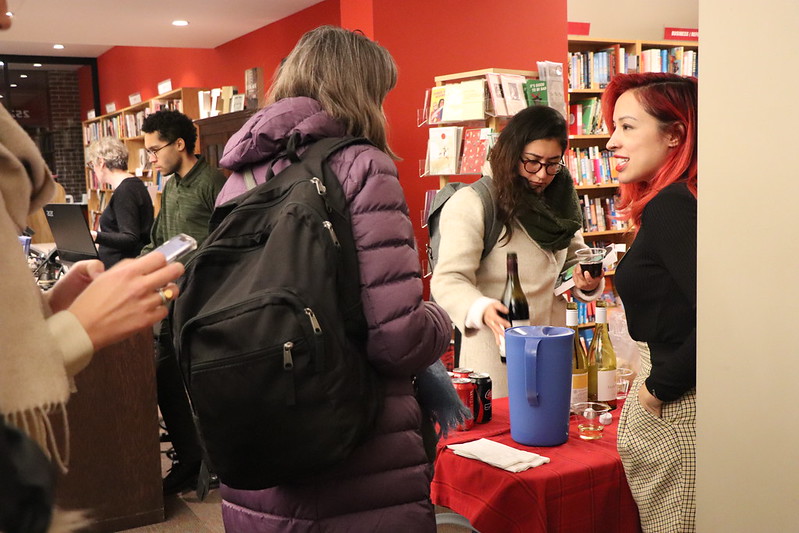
x: 602, y: 362
x: 579, y: 358
x: 514, y: 299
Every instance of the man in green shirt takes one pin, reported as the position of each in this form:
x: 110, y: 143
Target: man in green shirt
x: 187, y: 202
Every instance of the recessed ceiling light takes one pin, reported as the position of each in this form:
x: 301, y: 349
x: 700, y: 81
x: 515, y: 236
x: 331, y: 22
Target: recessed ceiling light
x: 37, y: 64
x: 23, y: 75
x: 58, y: 46
x: 13, y: 85
x: 180, y: 22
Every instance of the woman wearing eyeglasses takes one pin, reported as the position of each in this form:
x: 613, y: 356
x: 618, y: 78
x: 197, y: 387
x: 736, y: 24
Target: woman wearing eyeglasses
x: 537, y: 205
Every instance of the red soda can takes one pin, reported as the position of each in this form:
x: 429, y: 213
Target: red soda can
x: 482, y: 397
x: 448, y: 358
x: 462, y: 372
x: 465, y: 389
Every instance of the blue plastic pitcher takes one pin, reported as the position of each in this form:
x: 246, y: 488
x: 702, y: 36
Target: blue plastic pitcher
x: 539, y: 362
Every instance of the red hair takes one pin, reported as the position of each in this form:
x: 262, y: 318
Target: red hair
x: 672, y: 100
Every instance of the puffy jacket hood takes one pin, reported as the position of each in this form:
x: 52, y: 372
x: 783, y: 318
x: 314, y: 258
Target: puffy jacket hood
x: 265, y: 134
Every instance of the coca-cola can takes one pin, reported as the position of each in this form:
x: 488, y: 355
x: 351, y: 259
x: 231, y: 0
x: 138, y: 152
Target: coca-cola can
x: 482, y: 397
x: 448, y: 357
x: 462, y: 372
x: 465, y: 389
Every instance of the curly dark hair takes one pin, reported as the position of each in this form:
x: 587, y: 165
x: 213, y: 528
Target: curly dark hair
x: 171, y: 126
x: 531, y: 124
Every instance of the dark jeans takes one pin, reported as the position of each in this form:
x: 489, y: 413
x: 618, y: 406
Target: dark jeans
x: 173, y: 402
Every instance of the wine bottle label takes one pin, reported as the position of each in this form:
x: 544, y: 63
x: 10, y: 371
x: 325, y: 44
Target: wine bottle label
x: 605, y: 385
x: 580, y: 387
x: 513, y: 324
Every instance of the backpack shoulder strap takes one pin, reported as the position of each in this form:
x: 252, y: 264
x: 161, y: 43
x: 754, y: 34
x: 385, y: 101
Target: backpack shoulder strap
x: 484, y: 187
x: 315, y: 158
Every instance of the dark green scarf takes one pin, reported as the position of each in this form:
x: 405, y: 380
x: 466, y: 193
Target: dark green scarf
x: 552, y: 218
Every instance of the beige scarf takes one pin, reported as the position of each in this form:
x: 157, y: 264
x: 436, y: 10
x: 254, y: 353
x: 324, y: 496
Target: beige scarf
x: 33, y: 381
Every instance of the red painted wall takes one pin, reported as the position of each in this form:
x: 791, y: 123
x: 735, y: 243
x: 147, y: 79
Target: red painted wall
x: 267, y: 46
x: 450, y: 36
x: 124, y: 70
x: 358, y: 15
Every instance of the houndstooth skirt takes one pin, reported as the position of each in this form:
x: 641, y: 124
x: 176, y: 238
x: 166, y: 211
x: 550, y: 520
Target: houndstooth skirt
x: 659, y: 457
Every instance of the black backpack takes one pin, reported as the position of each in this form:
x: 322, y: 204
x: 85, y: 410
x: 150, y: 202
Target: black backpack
x: 270, y: 333
x: 485, y: 190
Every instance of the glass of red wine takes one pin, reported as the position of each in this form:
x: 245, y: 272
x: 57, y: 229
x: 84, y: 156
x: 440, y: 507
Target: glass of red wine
x: 591, y: 260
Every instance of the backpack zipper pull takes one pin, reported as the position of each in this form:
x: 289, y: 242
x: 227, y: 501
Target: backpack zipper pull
x: 288, y: 361
x: 320, y: 188
x: 319, y: 345
x: 327, y: 224
x: 317, y: 329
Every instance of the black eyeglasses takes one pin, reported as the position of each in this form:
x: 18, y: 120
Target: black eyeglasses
x: 532, y: 166
x: 154, y: 152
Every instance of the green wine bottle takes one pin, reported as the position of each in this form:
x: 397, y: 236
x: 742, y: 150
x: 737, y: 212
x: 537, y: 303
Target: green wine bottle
x: 579, y: 358
x: 602, y: 362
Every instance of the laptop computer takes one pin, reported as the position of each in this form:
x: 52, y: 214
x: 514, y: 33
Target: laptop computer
x: 70, y: 228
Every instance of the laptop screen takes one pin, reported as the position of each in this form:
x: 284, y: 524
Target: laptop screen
x: 70, y: 228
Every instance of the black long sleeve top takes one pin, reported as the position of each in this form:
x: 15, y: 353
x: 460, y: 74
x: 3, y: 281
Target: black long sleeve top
x: 656, y: 280
x: 125, y: 223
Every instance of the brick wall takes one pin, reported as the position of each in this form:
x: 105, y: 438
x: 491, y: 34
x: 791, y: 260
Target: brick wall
x: 67, y: 135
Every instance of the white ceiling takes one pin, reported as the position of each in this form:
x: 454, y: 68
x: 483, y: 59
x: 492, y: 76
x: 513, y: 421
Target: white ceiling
x: 88, y: 28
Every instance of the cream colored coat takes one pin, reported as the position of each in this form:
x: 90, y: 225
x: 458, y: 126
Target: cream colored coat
x: 461, y: 278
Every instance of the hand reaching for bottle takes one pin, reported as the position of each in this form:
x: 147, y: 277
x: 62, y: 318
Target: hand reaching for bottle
x: 494, y: 319
x: 114, y: 304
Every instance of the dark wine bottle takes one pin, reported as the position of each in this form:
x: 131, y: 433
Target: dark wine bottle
x: 514, y: 299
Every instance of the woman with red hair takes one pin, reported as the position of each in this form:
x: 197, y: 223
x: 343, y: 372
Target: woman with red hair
x: 654, y: 144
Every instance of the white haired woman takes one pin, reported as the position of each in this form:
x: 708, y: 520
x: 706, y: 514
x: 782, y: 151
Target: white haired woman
x: 126, y: 221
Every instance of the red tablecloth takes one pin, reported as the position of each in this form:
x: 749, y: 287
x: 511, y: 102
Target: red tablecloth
x: 582, y: 489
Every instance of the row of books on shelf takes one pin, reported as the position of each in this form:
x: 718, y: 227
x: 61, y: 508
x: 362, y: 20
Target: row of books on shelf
x: 599, y: 214
x: 95, y: 219
x: 676, y: 60
x: 594, y: 69
x: 494, y: 94
x: 126, y: 124
x: 585, y: 118
x: 591, y: 166
x: 457, y: 150
x: 220, y: 100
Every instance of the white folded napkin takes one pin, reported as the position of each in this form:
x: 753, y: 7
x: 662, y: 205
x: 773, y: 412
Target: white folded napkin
x: 499, y: 455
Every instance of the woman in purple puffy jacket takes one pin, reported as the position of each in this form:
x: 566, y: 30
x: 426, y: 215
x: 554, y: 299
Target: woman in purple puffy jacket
x: 333, y: 83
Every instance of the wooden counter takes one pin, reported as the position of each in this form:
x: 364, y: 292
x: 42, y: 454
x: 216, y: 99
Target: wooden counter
x: 115, y: 467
